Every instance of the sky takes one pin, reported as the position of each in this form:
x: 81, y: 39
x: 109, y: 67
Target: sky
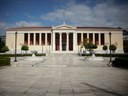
x: 88, y: 13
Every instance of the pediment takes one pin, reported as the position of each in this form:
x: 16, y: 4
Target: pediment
x: 63, y: 26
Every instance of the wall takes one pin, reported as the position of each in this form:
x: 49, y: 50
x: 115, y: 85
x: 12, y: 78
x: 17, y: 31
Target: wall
x: 10, y: 40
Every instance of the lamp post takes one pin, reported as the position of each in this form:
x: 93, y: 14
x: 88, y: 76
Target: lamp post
x: 49, y: 47
x: 42, y: 48
x: 78, y: 48
x: 109, y: 47
x: 15, y: 46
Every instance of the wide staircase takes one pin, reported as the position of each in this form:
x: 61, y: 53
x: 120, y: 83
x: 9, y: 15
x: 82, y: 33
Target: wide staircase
x: 60, y: 60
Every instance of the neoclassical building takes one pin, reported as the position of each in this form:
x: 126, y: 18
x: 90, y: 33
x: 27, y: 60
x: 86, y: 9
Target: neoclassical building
x: 62, y: 38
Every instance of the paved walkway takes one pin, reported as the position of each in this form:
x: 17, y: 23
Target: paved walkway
x: 62, y: 75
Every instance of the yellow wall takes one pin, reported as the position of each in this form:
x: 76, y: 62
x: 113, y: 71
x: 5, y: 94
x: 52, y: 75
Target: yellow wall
x: 117, y: 37
x: 10, y: 38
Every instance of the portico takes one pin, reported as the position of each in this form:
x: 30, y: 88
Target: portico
x: 63, y: 42
x: 64, y: 38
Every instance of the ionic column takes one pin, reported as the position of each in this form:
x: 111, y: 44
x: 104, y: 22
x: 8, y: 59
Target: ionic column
x: 99, y: 39
x: 28, y: 39
x: 67, y: 47
x: 60, y: 41
x: 81, y: 37
x: 74, y: 42
x: 53, y: 41
x: 93, y: 38
x: 34, y: 41
x: 46, y: 39
x: 87, y: 37
x: 40, y: 39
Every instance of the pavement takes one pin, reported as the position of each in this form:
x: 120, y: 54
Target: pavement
x: 62, y: 75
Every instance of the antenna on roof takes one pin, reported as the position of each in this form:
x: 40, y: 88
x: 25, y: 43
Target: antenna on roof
x: 23, y: 25
x: 63, y: 18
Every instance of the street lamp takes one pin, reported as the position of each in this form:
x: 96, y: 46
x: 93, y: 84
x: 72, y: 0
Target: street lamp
x: 48, y: 44
x: 110, y: 48
x: 15, y: 46
x: 78, y: 48
x: 42, y: 47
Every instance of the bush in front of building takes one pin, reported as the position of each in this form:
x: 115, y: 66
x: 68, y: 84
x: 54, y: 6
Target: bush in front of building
x: 25, y: 48
x: 4, y: 61
x: 120, y: 62
x: 4, y: 49
x: 112, y: 48
x: 105, y: 48
x: 90, y: 47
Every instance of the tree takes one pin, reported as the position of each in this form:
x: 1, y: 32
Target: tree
x: 25, y: 48
x: 112, y: 48
x: 126, y: 46
x: 90, y: 47
x: 1, y: 44
x: 105, y: 48
x: 4, y: 49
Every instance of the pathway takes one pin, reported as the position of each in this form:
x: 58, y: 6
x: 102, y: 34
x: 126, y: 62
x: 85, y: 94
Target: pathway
x: 62, y: 75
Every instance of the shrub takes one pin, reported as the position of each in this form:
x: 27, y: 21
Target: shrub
x: 90, y: 46
x: 25, y: 48
x: 126, y: 48
x: 4, y: 61
x: 112, y: 47
x: 20, y: 55
x: 4, y: 49
x: 105, y: 47
x: 120, y: 62
x: 108, y: 55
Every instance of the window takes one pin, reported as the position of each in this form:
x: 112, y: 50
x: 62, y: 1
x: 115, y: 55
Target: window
x: 84, y: 35
x: 57, y: 42
x: 78, y: 38
x: 96, y: 38
x: 70, y: 41
x: 84, y: 38
x: 91, y: 37
x: 37, y: 38
x: 102, y: 38
x: 31, y: 38
x: 49, y: 38
x: 26, y: 38
x: 43, y: 38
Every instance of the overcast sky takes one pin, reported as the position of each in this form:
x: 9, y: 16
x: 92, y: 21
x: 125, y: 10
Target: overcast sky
x: 17, y: 13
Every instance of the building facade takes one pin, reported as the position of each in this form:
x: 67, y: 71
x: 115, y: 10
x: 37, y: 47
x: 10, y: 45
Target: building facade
x: 62, y: 38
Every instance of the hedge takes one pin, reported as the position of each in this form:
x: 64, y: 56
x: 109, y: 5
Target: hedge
x: 4, y: 62
x: 19, y: 55
x: 108, y: 55
x: 120, y: 62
